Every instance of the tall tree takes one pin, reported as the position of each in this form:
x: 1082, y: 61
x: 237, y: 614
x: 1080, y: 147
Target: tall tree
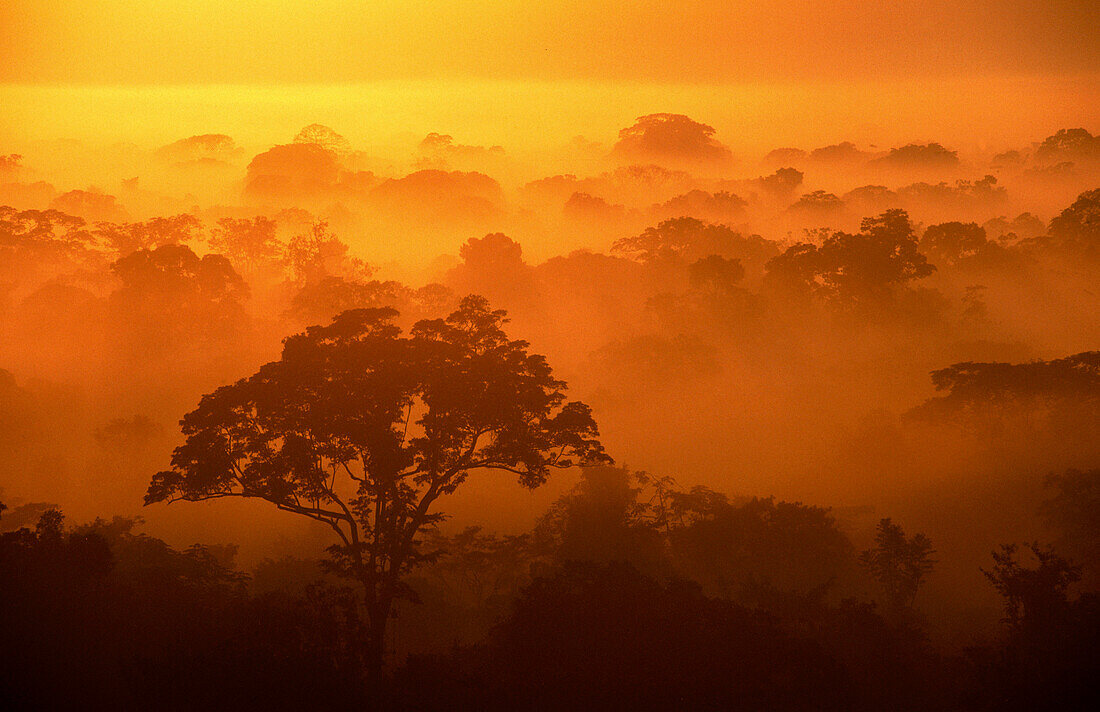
x: 899, y: 563
x: 363, y: 429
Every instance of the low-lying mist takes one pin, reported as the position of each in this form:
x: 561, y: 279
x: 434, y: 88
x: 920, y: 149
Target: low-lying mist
x: 906, y: 330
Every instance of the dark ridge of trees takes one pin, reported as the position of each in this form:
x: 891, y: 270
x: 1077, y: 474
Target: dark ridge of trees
x: 559, y: 617
x: 1047, y: 659
x: 106, y: 617
x: 636, y: 643
x: 745, y: 550
x: 604, y: 636
x: 970, y: 384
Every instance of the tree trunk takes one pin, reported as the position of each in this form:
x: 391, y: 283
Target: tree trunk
x: 375, y: 655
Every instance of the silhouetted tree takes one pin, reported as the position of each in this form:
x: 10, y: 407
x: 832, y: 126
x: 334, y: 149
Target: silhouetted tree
x: 494, y: 264
x: 363, y: 429
x: 1072, y: 144
x: 839, y: 153
x: 325, y: 137
x: 292, y: 172
x: 864, y: 268
x: 684, y: 240
x: 248, y: 243
x: 171, y: 298
x: 40, y: 243
x: 317, y: 254
x: 819, y: 204
x: 92, y: 205
x: 1033, y: 598
x: 1002, y: 401
x: 915, y: 155
x: 175, y: 269
x: 195, y: 150
x: 898, y: 563
x: 950, y: 243
x: 715, y: 274
x: 493, y: 253
x: 670, y: 137
x: 1077, y: 228
x: 1023, y: 226
x: 782, y: 183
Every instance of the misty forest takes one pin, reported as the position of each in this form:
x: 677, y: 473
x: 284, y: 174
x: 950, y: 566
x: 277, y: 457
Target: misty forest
x: 650, y: 422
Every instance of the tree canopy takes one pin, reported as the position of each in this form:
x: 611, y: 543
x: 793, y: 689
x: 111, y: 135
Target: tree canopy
x: 849, y: 269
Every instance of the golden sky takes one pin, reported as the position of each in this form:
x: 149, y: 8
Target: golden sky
x: 706, y: 41
x: 987, y: 74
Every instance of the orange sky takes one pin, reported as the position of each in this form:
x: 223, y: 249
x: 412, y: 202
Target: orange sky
x: 979, y: 75
x: 719, y: 41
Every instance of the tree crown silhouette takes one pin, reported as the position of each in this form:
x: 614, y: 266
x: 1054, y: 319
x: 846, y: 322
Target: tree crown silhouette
x: 363, y: 429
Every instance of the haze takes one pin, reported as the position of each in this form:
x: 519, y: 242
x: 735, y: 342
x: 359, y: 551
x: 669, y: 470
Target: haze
x: 819, y: 281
